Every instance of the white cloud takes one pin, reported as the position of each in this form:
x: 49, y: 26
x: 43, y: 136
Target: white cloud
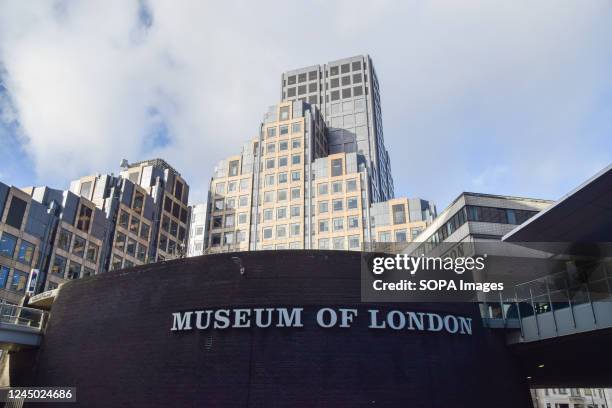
x: 466, y: 86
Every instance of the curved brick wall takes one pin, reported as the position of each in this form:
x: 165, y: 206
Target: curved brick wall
x: 110, y: 337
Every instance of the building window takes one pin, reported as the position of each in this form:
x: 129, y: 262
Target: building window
x: 88, y: 272
x: 281, y: 231
x: 138, y: 202
x: 295, y: 176
x: 323, y: 189
x: 124, y: 219
x: 399, y: 214
x: 270, y: 164
x: 323, y: 243
x: 268, y: 196
x: 242, y: 219
x: 346, y: 80
x: 338, y: 205
x: 219, y: 205
x: 7, y: 245
x: 335, y: 95
x: 296, y: 144
x: 282, y: 161
x: 267, y: 233
x: 231, y: 187
x: 243, y: 201
x: 384, y: 237
x: 353, y: 241
x: 130, y: 249
x: 353, y: 221
x: 176, y: 210
x: 338, y: 243
x: 296, y: 127
x: 4, y: 271
x: 295, y: 230
x: 271, y: 132
x: 74, y: 270
x: 18, y: 283
x: 244, y: 184
x: 120, y: 239
x: 228, y: 238
x: 178, y: 190
x: 282, y: 178
x: 84, y: 219
x: 337, y: 187
x: 92, y: 252
x: 284, y: 113
x: 268, y: 214
x: 401, y: 236
x: 351, y: 203
x: 233, y: 168
x: 144, y: 231
x: 295, y: 193
x: 173, y: 228
x: 86, y: 189
x: 16, y: 211
x: 283, y: 145
x: 281, y: 212
x: 229, y: 220
x: 26, y: 252
x: 282, y: 195
x: 295, y: 211
x: 283, y: 130
x: 219, y: 189
x: 134, y: 225
x: 78, y: 247
x: 117, y: 262
x: 59, y: 265
x: 64, y: 240
x: 230, y: 204
x: 351, y: 185
x: 324, y: 226
x: 338, y: 224
x: 346, y: 93
x: 215, y: 240
x: 414, y: 232
x: 323, y: 207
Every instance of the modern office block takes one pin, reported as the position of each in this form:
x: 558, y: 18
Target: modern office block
x: 286, y: 191
x: 103, y: 222
x: 347, y: 92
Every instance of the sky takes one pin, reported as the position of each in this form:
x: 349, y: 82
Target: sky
x: 509, y: 98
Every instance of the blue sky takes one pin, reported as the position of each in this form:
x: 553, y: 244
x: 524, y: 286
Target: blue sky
x: 496, y: 97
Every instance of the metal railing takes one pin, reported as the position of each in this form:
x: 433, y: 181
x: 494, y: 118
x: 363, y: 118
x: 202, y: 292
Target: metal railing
x: 23, y: 316
x: 562, y: 290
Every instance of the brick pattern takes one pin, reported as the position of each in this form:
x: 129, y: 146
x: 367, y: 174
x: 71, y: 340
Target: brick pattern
x: 110, y: 336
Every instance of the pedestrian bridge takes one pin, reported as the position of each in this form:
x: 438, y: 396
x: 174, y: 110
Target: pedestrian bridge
x: 21, y: 327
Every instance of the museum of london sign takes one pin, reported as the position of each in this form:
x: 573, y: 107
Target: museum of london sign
x: 326, y: 317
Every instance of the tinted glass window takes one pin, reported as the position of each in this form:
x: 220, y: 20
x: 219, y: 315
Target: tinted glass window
x: 7, y: 245
x: 16, y: 211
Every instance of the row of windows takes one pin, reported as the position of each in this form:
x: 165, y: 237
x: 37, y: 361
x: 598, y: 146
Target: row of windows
x: 283, y: 145
x: 347, y: 93
x: 399, y: 235
x: 338, y: 224
x: 227, y: 238
x: 283, y: 130
x: 333, y: 71
x: 480, y: 214
x: 282, y: 231
x: 58, y: 267
x: 118, y: 263
x: 77, y: 245
x: 167, y: 244
x: 230, y: 203
x: 8, y: 245
x: 336, y: 187
x: 134, y: 225
x: 176, y: 209
x: 352, y: 203
x: 17, y: 282
x: 271, y: 179
x: 231, y: 186
x: 173, y: 228
x: 283, y: 161
x: 339, y: 243
x: 130, y: 246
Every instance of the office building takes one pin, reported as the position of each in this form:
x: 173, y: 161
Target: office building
x: 569, y: 398
x: 103, y: 222
x: 347, y: 92
x: 286, y: 191
x: 197, y: 226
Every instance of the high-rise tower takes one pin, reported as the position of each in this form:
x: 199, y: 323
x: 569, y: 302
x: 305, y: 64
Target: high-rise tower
x: 347, y: 92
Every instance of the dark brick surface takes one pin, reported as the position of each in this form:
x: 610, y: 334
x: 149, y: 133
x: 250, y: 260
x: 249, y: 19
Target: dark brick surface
x: 110, y: 337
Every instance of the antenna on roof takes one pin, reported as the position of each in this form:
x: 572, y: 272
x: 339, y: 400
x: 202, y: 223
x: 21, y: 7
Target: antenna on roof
x: 124, y: 164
